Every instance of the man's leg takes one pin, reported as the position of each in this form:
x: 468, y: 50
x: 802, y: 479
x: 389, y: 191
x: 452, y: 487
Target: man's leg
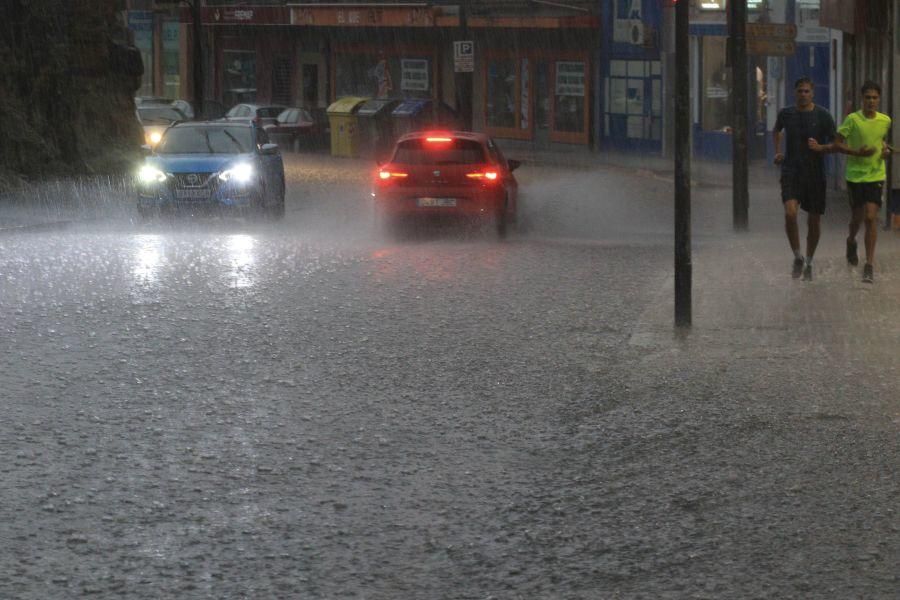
x: 871, y: 218
x: 857, y: 211
x: 813, y: 233
x: 791, y: 207
x: 790, y: 227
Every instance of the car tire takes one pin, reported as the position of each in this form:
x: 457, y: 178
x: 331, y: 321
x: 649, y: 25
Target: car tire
x: 147, y: 214
x: 500, y: 220
x: 276, y: 212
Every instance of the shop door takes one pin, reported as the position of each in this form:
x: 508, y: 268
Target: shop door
x: 311, y: 86
x: 542, y: 100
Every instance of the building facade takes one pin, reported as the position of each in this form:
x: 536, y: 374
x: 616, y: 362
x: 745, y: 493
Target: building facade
x: 528, y: 74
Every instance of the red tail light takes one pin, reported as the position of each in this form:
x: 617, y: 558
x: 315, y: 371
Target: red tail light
x: 488, y: 175
x: 386, y: 175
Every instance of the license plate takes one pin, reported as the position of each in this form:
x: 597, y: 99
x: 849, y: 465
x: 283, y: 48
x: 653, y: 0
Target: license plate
x: 192, y: 193
x: 436, y: 201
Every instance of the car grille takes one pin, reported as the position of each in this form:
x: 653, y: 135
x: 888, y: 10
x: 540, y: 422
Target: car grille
x: 193, y: 180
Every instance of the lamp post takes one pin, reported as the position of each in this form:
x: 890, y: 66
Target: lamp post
x: 683, y: 265
x: 737, y: 13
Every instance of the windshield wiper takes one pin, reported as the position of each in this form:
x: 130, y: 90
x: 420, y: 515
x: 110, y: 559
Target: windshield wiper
x: 236, y: 142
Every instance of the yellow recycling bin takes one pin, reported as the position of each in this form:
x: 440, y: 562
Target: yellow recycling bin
x: 345, y: 136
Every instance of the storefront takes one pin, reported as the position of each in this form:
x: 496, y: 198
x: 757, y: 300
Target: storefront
x: 631, y: 98
x: 535, y: 80
x: 161, y: 38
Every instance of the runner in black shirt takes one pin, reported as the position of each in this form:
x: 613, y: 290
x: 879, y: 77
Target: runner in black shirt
x: 804, y: 126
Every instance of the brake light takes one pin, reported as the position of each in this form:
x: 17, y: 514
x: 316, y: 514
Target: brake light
x: 438, y: 140
x: 484, y: 175
x: 386, y: 175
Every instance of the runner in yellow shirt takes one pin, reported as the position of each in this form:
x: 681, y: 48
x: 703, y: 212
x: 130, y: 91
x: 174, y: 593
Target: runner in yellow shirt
x: 863, y: 136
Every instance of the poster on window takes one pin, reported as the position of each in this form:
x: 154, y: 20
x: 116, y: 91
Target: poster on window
x: 414, y: 75
x: 570, y: 79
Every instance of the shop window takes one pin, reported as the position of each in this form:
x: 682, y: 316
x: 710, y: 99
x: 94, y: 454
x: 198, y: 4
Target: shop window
x: 501, y: 93
x: 633, y: 93
x: 239, y: 77
x: 570, y: 97
x: 374, y: 76
x: 716, y: 85
x: 141, y: 24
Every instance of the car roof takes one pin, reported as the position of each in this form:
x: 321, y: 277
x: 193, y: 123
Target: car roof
x: 463, y: 135
x: 214, y: 124
x: 256, y: 106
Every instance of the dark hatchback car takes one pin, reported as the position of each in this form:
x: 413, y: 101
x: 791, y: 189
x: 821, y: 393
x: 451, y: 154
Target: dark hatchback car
x: 260, y: 114
x: 439, y: 174
x: 296, y: 128
x: 200, y: 166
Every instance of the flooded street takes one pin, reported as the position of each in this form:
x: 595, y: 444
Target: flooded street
x: 211, y: 408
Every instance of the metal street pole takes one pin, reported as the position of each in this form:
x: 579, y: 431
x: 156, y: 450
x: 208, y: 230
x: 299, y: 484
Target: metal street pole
x: 198, y: 59
x: 463, y: 81
x: 737, y: 10
x: 683, y: 267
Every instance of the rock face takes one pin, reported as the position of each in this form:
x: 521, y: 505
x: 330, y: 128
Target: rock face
x: 67, y: 84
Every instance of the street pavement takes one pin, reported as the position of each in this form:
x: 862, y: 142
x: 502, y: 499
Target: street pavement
x: 586, y: 450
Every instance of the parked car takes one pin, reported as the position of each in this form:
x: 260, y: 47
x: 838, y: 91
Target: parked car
x: 256, y: 113
x: 203, y: 165
x: 295, y: 128
x: 437, y: 173
x: 152, y: 101
x: 155, y: 119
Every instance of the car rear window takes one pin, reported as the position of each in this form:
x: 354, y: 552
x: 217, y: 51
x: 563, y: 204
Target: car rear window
x: 206, y: 140
x: 269, y: 112
x: 456, y: 152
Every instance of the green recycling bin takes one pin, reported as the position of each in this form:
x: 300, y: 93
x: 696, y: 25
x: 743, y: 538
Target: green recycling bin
x: 345, y: 126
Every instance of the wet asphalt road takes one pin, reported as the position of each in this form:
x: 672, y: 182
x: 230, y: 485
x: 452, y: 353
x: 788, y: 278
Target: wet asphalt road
x: 313, y: 409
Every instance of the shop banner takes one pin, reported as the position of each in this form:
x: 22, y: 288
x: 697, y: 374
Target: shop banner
x: 414, y: 75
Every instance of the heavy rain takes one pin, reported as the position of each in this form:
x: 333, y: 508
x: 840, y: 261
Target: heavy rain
x: 377, y: 300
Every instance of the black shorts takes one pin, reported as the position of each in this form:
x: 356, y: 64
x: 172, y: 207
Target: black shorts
x: 807, y: 189
x: 865, y: 193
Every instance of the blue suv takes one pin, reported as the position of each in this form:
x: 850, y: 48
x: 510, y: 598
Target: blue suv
x: 212, y: 165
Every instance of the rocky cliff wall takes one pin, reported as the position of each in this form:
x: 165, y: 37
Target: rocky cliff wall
x: 66, y: 95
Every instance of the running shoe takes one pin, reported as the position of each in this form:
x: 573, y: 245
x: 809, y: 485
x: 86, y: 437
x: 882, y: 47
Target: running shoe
x: 852, y: 258
x: 807, y: 272
x: 798, y: 268
x: 868, y: 274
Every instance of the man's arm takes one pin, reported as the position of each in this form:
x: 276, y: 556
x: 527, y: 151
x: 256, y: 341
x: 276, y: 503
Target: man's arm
x: 777, y: 134
x: 839, y: 145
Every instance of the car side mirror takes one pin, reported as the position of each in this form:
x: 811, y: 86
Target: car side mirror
x: 268, y: 149
x: 514, y: 164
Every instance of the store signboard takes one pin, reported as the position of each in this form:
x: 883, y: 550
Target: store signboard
x: 414, y: 74
x: 570, y: 79
x: 363, y: 16
x: 464, y: 57
x: 771, y: 39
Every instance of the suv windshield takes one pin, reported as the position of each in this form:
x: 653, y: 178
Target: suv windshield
x: 423, y: 152
x: 206, y: 140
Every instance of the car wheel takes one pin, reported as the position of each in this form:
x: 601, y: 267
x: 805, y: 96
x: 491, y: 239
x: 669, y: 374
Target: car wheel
x: 501, y: 220
x: 146, y: 214
x: 276, y: 212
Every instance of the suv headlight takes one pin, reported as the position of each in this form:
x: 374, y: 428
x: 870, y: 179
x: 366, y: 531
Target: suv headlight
x: 240, y: 173
x: 149, y: 174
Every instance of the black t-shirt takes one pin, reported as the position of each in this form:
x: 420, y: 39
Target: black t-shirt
x: 799, y: 126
